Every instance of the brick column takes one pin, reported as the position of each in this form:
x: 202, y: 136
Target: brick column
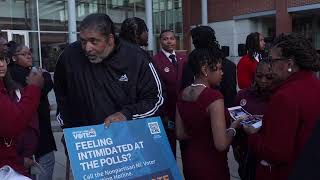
x: 186, y: 9
x: 283, y: 18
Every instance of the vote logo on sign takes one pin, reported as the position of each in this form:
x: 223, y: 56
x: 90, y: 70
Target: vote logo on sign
x: 124, y: 150
x: 84, y: 134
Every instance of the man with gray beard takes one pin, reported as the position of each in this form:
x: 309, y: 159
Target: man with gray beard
x: 101, y: 79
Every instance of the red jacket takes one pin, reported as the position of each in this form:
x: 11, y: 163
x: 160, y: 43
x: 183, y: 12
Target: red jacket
x: 14, y: 119
x: 171, y: 77
x: 290, y: 119
x: 246, y: 69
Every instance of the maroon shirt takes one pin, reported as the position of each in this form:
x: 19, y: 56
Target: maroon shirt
x: 252, y: 102
x: 255, y: 104
x: 290, y: 118
x: 14, y: 119
x: 171, y: 77
x: 201, y: 160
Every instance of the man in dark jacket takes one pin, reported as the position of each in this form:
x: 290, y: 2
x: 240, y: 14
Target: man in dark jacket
x: 228, y: 84
x: 103, y: 79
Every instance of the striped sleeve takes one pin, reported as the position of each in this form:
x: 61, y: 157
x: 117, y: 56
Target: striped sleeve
x: 150, y: 95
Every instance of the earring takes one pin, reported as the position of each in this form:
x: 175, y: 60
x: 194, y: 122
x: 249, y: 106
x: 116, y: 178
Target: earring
x: 206, y: 75
x: 289, y: 70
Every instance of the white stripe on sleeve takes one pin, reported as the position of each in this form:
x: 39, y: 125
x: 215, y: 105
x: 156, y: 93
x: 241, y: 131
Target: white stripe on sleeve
x: 160, y: 98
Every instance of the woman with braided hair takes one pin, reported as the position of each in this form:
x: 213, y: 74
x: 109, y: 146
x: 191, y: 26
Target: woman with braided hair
x: 134, y: 30
x: 247, y: 65
x: 291, y: 114
x: 201, y: 121
x: 204, y: 37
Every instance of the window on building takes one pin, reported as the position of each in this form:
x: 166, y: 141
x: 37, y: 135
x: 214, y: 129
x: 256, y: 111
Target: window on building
x: 167, y: 14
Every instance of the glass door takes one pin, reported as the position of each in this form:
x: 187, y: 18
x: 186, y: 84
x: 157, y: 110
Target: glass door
x: 20, y: 37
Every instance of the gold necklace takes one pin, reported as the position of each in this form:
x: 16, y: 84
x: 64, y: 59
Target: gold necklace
x: 8, y: 144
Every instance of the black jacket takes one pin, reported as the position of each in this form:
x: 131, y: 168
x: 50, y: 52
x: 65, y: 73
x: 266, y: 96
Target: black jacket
x: 46, y: 141
x: 87, y: 93
x: 228, y: 84
x: 307, y: 166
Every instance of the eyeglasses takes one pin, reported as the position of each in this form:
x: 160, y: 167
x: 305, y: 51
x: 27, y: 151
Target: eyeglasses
x: 24, y: 54
x: 278, y: 59
x: 271, y: 60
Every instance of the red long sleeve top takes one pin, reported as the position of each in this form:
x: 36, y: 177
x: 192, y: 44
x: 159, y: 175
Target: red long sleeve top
x: 288, y: 123
x: 14, y: 117
x: 246, y: 69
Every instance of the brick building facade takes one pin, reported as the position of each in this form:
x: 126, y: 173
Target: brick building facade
x: 233, y: 20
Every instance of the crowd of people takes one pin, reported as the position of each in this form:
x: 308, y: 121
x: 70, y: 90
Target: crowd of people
x: 106, y: 78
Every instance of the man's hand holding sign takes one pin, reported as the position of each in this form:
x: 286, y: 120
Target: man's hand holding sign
x: 124, y: 150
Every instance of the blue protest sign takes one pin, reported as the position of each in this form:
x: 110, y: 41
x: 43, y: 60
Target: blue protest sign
x: 136, y: 149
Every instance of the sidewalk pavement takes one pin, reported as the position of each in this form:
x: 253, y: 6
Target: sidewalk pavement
x: 60, y: 165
